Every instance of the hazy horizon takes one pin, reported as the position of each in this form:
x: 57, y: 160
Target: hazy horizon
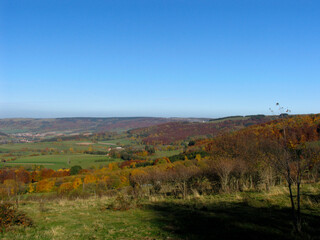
x: 137, y: 116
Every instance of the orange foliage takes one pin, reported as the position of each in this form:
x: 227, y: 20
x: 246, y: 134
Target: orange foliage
x: 61, y: 173
x: 46, y: 173
x: 65, y: 187
x: 161, y: 161
x: 45, y: 185
x: 77, y: 183
x: 89, y: 179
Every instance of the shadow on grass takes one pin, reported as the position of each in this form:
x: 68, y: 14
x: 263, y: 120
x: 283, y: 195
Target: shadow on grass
x: 312, y: 197
x: 230, y: 221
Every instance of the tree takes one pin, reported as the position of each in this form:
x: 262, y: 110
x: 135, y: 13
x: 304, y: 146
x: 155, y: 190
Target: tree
x: 74, y: 170
x: 289, y: 155
x: 150, y: 149
x: 223, y: 166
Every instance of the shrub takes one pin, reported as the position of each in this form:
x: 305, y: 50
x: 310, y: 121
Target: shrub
x: 122, y: 202
x: 65, y: 188
x: 74, y: 170
x: 9, y: 216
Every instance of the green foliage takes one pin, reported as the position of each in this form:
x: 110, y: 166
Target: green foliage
x: 191, y: 155
x: 74, y: 170
x: 145, y: 164
x: 150, y: 149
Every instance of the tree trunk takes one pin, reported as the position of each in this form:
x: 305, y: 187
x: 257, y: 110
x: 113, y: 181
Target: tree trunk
x: 298, y: 220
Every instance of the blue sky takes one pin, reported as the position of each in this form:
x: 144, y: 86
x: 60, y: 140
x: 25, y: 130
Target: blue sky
x: 168, y: 58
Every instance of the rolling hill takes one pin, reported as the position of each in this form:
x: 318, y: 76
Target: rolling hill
x: 173, y: 132
x: 9, y: 126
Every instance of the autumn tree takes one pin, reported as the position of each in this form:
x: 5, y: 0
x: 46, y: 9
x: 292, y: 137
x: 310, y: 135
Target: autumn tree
x: 290, y: 156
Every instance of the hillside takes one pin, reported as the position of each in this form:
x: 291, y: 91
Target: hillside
x: 173, y: 132
x: 76, y: 124
x: 232, y: 174
x: 300, y: 130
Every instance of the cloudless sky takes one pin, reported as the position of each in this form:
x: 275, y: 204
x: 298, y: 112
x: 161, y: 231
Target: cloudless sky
x: 169, y: 58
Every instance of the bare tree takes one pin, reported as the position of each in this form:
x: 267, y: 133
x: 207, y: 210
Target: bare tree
x: 290, y: 160
x: 223, y: 166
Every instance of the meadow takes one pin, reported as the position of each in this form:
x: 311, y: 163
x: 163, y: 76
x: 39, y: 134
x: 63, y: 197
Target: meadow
x: 65, y: 154
x: 252, y: 215
x: 56, y: 162
x: 55, y: 155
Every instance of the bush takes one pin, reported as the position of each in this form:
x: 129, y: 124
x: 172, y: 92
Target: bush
x: 122, y: 202
x: 74, y: 170
x: 9, y: 216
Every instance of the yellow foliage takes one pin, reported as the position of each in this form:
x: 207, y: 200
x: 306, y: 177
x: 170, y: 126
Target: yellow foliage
x: 31, y: 188
x: 124, y: 181
x: 9, y: 185
x: 45, y: 185
x: 138, y: 172
x: 76, y: 183
x: 103, y: 170
x: 104, y: 179
x: 143, y: 153
x: 90, y: 148
x: 198, y: 157
x: 90, y: 179
x: 113, y: 166
x: 65, y: 187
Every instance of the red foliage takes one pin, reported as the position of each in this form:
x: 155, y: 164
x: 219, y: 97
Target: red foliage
x: 176, y: 131
x: 46, y: 173
x: 130, y: 163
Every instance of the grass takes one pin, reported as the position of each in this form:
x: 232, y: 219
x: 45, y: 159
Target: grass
x: 120, y: 141
x: 45, y: 153
x: 60, y: 146
x: 62, y: 161
x: 84, y: 219
x: 248, y: 215
x: 23, y: 153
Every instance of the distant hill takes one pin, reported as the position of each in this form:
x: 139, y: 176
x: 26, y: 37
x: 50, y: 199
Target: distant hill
x: 80, y: 124
x: 76, y: 124
x: 172, y: 132
x: 3, y: 134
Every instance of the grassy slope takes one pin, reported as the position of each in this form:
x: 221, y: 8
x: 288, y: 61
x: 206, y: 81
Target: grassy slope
x: 251, y: 215
x: 160, y: 154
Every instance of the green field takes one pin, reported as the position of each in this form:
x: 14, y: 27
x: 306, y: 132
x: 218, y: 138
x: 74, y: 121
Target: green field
x: 63, y: 145
x: 55, y: 155
x: 120, y: 141
x: 249, y: 215
x: 62, y: 161
x: 64, y: 154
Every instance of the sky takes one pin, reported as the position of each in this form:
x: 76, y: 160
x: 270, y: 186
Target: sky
x: 161, y: 58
